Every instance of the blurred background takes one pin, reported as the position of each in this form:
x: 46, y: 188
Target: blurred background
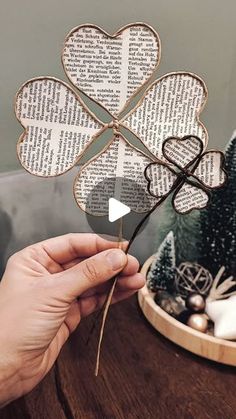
x: 196, y: 36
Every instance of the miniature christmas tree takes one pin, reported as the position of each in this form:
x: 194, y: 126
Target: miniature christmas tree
x: 217, y: 246
x: 161, y: 273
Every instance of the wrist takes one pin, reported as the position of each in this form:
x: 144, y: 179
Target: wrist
x: 10, y: 385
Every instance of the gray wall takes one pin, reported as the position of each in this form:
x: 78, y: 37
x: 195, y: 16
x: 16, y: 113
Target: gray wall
x: 196, y: 35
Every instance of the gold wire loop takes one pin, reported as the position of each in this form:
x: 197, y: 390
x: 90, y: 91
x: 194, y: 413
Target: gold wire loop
x: 114, y: 125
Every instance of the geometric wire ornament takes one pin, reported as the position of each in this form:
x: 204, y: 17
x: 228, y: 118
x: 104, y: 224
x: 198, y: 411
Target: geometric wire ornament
x: 111, y: 70
x: 192, y: 277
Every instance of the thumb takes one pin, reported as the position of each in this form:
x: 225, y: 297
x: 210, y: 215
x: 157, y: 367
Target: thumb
x: 91, y: 272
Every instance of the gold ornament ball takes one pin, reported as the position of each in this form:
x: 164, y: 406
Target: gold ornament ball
x: 195, y: 302
x: 198, y: 322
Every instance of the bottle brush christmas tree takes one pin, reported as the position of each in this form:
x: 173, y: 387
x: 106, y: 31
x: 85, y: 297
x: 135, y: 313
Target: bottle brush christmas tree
x: 161, y: 273
x: 217, y: 246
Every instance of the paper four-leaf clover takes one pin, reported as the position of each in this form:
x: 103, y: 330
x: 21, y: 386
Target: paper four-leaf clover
x: 189, y: 172
x: 110, y: 70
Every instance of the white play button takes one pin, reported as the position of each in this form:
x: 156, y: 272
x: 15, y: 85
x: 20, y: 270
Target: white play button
x: 117, y: 210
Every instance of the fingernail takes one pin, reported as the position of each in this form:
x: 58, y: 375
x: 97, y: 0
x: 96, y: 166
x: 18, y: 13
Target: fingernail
x: 116, y: 258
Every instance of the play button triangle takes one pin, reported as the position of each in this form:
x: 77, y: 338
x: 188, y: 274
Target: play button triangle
x: 117, y: 210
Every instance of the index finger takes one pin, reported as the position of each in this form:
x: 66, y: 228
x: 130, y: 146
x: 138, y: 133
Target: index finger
x: 63, y: 249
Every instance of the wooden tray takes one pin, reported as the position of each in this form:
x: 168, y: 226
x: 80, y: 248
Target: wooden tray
x: 219, y: 350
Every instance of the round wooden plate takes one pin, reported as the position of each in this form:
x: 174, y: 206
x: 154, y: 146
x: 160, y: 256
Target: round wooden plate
x: 219, y: 350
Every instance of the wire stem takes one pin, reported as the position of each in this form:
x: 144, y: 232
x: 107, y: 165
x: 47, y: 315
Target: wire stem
x: 108, y: 303
x: 108, y: 300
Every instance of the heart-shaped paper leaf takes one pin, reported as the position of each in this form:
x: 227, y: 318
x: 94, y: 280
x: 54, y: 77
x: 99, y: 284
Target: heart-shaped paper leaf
x: 182, y: 152
x: 189, y: 197
x: 169, y: 108
x: 117, y: 172
x: 111, y: 68
x: 160, y: 179
x: 58, y: 126
x: 210, y: 169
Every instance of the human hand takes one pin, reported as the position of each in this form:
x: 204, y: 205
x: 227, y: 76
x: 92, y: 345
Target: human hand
x: 39, y: 306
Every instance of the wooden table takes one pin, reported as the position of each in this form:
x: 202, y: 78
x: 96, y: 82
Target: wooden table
x: 142, y: 375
